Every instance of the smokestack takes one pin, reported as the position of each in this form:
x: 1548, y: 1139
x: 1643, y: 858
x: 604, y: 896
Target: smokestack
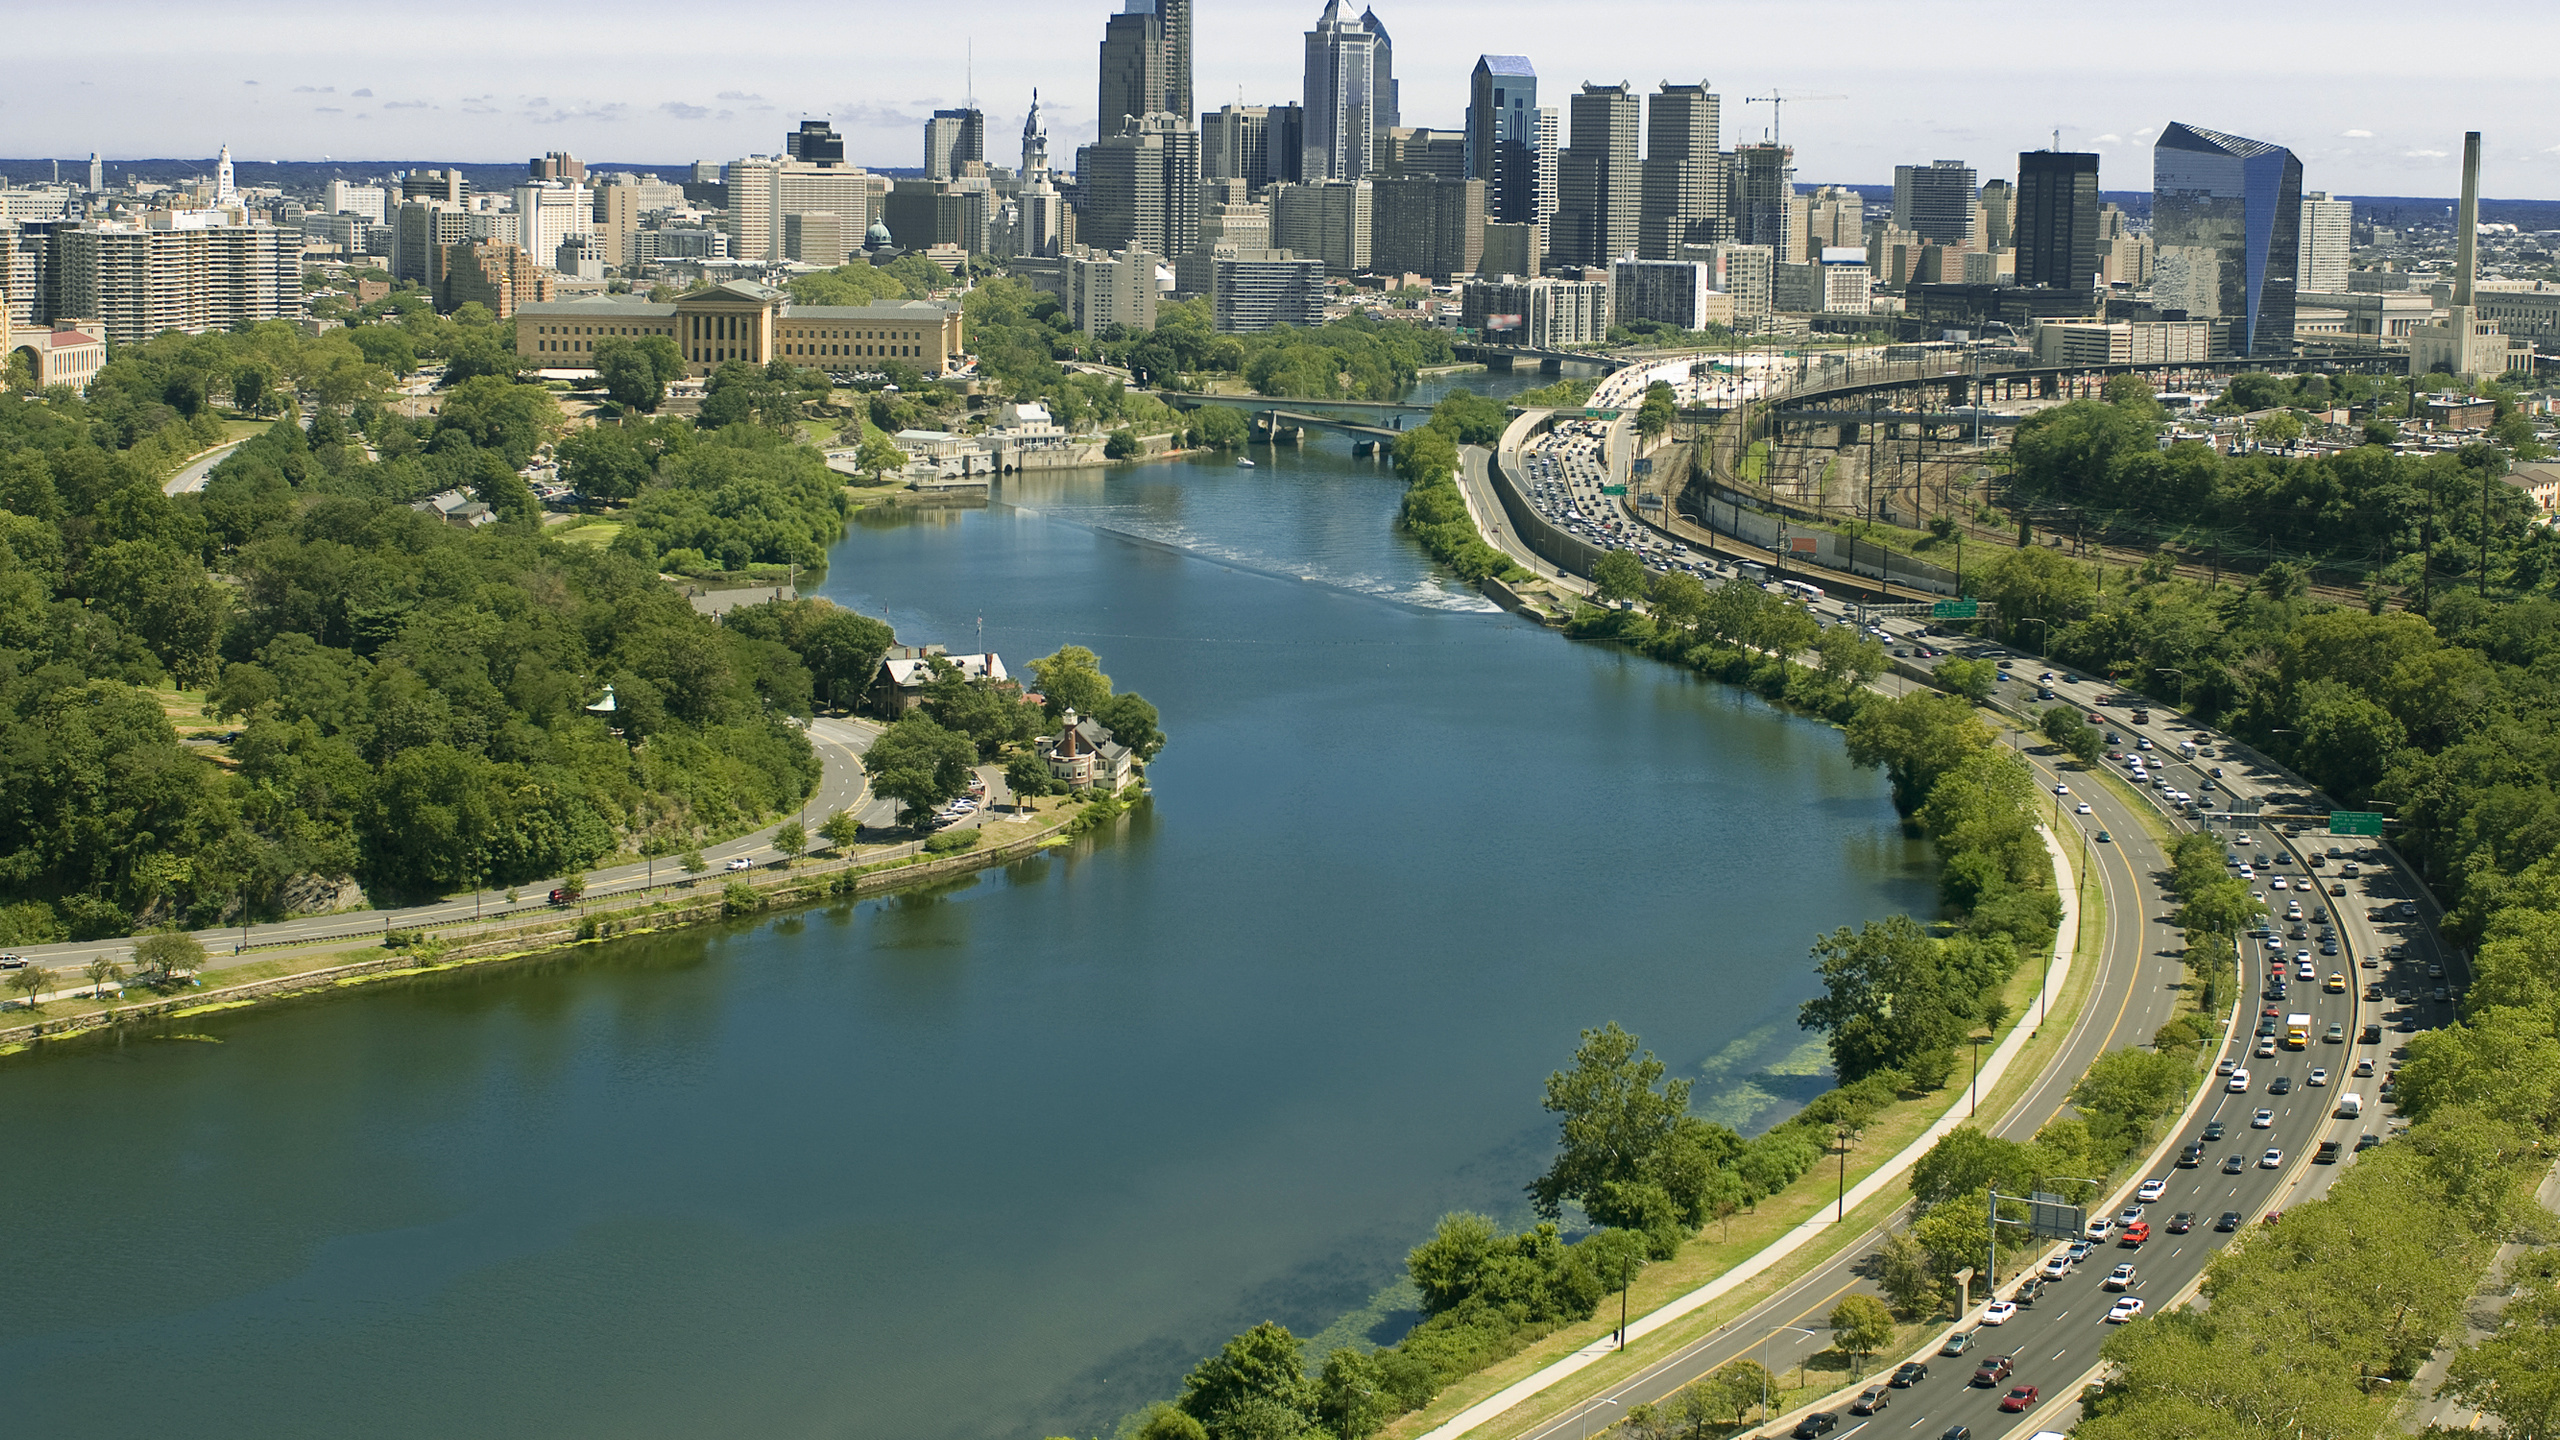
x: 2466, y: 240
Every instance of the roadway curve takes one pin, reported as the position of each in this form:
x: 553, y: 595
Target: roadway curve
x: 2056, y: 1341
x: 841, y: 786
x: 193, y: 476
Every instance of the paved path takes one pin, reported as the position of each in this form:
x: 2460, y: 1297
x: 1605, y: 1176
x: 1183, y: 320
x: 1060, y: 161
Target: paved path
x: 842, y: 786
x: 192, y: 477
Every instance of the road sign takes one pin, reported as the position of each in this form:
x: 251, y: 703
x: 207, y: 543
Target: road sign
x: 1613, y: 489
x: 2050, y: 1217
x: 2355, y: 822
x: 1955, y: 609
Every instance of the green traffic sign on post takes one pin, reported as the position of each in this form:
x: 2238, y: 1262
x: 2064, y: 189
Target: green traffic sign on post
x: 1955, y: 609
x: 2355, y: 822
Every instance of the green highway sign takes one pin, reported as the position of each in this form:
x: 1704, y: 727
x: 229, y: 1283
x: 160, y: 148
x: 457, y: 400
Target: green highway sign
x: 1955, y: 609
x: 2354, y: 822
x: 1613, y: 489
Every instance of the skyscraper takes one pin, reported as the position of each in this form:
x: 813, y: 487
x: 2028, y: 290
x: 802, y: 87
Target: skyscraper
x: 1935, y: 201
x: 1598, y: 183
x: 815, y: 141
x: 1428, y: 226
x: 1999, y: 224
x: 1173, y: 24
x: 2056, y: 227
x: 2327, y: 226
x: 1502, y: 136
x: 1141, y: 188
x: 1762, y: 199
x: 1350, y: 99
x: 1682, y: 195
x: 952, y: 139
x: 2226, y: 217
x: 1132, y: 68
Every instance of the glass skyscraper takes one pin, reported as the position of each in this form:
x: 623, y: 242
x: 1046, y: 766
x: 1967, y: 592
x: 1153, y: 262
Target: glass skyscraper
x: 2226, y: 220
x: 1502, y: 136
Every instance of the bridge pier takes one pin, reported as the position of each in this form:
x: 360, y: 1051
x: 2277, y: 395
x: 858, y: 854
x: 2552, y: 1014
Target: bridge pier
x: 1552, y: 366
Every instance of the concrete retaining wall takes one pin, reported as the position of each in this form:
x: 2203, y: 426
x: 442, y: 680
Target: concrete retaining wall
x: 1556, y: 547
x: 1730, y: 513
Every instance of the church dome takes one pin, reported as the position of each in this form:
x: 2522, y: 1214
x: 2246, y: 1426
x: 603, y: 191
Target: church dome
x: 878, y: 238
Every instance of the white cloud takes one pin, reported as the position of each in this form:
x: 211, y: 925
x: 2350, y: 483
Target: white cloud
x: 2108, y: 140
x: 364, y: 94
x: 2426, y: 154
x: 2355, y: 134
x: 682, y: 111
x: 736, y: 95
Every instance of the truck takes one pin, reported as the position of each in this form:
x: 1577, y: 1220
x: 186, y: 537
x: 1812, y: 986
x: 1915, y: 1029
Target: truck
x: 2350, y: 1106
x: 2297, y: 1031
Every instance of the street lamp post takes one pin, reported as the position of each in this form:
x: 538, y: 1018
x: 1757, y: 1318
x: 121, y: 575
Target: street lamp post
x: 2044, y: 637
x: 1976, y: 1041
x: 1587, y: 1406
x: 1764, y: 1363
x: 1846, y: 1135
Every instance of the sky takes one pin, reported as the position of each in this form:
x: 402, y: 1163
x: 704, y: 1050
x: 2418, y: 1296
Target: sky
x: 2373, y: 97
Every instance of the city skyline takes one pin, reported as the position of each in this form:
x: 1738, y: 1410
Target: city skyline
x: 283, y: 85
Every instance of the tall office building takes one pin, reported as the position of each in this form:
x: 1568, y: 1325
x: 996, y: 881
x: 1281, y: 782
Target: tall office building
x: 1350, y: 96
x: 365, y: 200
x: 1437, y: 154
x: 1682, y: 195
x: 1426, y: 226
x: 550, y: 213
x: 1549, y: 185
x: 1173, y: 26
x: 816, y: 141
x: 2226, y: 221
x: 1935, y: 201
x: 763, y: 189
x: 1763, y: 195
x: 1328, y: 219
x: 1502, y: 136
x: 1998, y: 222
x: 1133, y: 53
x: 417, y: 228
x: 2327, y: 227
x: 2057, y: 220
x: 1598, y: 181
x: 1140, y: 189
x: 952, y: 140
x: 98, y: 176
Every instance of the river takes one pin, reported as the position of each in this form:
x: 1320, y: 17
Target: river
x: 1003, y: 1158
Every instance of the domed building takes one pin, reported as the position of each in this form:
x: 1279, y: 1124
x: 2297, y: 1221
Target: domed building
x: 878, y: 245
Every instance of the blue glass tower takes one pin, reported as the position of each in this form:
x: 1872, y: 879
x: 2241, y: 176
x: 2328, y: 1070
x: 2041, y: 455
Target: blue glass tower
x: 2226, y: 216
x: 1502, y: 136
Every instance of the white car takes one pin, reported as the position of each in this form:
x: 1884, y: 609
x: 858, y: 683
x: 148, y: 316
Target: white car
x: 2263, y: 1120
x: 2267, y: 1048
x: 2098, y: 1228
x: 2125, y: 1309
x: 2277, y: 883
x: 2319, y: 1076
x: 2057, y: 1267
x: 2061, y: 789
x: 742, y: 863
x: 2151, y: 1190
x: 2120, y: 1278
x: 2272, y: 1160
x: 2248, y: 872
x: 1998, y: 1312
x: 2084, y: 807
x: 2239, y: 1081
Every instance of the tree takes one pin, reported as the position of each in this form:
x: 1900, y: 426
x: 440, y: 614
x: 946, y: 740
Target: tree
x: 573, y: 886
x: 2063, y: 726
x: 1971, y: 679
x: 1071, y: 679
x: 693, y: 862
x: 1616, y: 1123
x: 1026, y: 775
x: 604, y: 462
x: 1221, y: 427
x: 1261, y: 1365
x: 842, y: 830
x: 1132, y: 722
x: 792, y: 839
x: 1916, y: 739
x: 1904, y: 1274
x: 100, y: 971
x: 920, y: 765
x: 1619, y: 575
x: 157, y: 959
x: 1677, y: 598
x: 2514, y: 1374
x: 1352, y: 1397
x: 1886, y: 998
x: 636, y: 372
x: 1861, y: 1325
x: 1122, y: 445
x: 877, y: 454
x: 29, y: 981
x: 500, y: 415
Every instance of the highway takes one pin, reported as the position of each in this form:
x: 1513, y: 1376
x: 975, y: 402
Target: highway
x: 2054, y: 1340
x: 841, y: 786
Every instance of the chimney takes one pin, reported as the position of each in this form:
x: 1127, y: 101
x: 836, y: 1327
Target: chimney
x: 2466, y: 240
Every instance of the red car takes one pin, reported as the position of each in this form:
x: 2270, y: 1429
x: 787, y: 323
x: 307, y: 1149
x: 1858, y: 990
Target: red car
x: 2134, y: 1234
x: 2021, y: 1398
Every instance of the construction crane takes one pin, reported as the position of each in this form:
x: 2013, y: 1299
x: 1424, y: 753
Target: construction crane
x: 1777, y: 102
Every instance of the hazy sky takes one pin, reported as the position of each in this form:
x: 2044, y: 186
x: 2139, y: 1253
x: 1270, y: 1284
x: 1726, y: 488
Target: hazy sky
x: 2374, y: 97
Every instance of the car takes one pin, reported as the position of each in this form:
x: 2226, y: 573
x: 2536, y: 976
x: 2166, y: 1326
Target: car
x: 2120, y: 1278
x: 2281, y: 1085
x: 2191, y: 1156
x: 2079, y: 1251
x: 2225, y: 1066
x: 2373, y: 992
x: 2151, y: 1190
x: 2238, y: 1083
x: 2229, y: 1222
x: 2094, y: 720
x: 2328, y: 1153
x: 2056, y: 1268
x: 2061, y: 789
x: 2272, y: 1160
x: 2212, y: 1130
x: 1999, y: 1312
x: 1957, y: 1344
x: 2020, y: 1397
x: 1871, y: 1400
x: 2336, y: 1034
x: 2367, y: 1141
x: 2266, y: 1048
x: 742, y: 863
x: 1956, y: 1432
x: 2136, y: 1235
x: 13, y: 962
x: 2098, y: 1228
x: 2264, y: 1119
x: 2129, y: 1214
x: 1908, y: 1374
x: 2277, y: 883
x: 2084, y: 807
x: 2104, y: 837
x: 1815, y: 1425
x: 2125, y: 1309
x: 2234, y: 1164
x: 2337, y: 887
x: 2319, y: 1076
x: 1992, y: 1371
x: 2182, y: 1222
x: 2364, y: 1066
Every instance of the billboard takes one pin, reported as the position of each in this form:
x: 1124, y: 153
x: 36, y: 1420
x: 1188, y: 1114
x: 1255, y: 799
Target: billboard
x: 1501, y: 322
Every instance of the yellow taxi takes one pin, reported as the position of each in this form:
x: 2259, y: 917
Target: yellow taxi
x: 2337, y: 983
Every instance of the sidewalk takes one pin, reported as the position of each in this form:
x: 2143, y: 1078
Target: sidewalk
x: 1888, y: 1174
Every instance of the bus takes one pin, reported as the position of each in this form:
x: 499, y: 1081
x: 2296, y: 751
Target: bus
x: 1799, y: 590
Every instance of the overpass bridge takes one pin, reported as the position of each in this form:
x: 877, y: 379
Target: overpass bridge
x: 1550, y: 362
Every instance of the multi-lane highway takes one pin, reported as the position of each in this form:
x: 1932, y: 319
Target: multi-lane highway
x: 2052, y: 1340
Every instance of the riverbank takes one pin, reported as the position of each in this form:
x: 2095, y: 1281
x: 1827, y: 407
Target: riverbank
x: 329, y: 966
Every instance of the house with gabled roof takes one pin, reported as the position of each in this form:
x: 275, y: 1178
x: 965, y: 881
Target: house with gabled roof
x: 1084, y: 756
